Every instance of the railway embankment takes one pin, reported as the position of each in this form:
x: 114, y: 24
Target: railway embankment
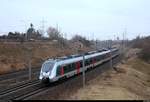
x: 14, y: 55
x: 130, y: 81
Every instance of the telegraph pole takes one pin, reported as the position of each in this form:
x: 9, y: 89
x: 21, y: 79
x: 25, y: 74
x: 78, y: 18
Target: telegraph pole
x: 125, y: 38
x: 25, y: 28
x: 96, y: 44
x: 28, y: 53
x: 83, y: 72
x: 30, y: 64
x: 107, y: 43
x: 29, y: 50
x: 111, y: 65
x: 43, y: 26
x: 123, y: 44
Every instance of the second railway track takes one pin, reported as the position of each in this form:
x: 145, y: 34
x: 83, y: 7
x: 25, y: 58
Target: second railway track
x: 17, y: 90
x: 16, y: 87
x: 13, y: 75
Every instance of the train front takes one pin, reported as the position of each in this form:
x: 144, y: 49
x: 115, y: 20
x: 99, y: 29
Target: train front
x: 46, y: 71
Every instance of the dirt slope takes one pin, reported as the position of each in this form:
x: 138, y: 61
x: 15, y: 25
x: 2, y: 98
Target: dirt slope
x: 13, y: 56
x: 131, y: 81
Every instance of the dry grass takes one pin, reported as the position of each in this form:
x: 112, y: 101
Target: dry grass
x: 13, y: 56
x: 131, y: 82
x: 140, y: 65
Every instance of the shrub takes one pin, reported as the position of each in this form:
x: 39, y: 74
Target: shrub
x: 83, y: 40
x: 144, y: 45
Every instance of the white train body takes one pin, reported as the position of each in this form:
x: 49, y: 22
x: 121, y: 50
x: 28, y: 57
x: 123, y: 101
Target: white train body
x: 53, y: 70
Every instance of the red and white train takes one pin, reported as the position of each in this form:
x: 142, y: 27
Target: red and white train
x: 54, y: 69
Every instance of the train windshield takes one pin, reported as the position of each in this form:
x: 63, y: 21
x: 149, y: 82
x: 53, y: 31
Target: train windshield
x: 47, y: 66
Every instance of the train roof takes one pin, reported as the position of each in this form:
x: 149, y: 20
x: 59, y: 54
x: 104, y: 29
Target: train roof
x: 93, y: 53
x: 66, y: 61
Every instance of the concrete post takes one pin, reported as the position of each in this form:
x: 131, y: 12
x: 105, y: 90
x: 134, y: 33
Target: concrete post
x: 83, y: 72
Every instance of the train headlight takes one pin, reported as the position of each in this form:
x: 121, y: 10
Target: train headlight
x: 46, y: 74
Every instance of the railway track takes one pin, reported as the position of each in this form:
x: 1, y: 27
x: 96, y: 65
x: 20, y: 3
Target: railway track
x: 10, y: 83
x: 19, y: 86
x: 16, y: 91
x: 12, y: 75
x: 17, y: 78
x: 29, y: 90
x: 26, y: 90
x: 33, y: 93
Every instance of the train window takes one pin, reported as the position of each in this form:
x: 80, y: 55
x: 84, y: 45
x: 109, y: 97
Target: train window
x: 103, y: 56
x: 87, y: 62
x: 98, y: 58
x: 66, y: 69
x: 69, y: 67
x: 46, y: 67
x: 73, y: 66
x: 93, y: 60
x: 90, y: 60
x: 58, y: 70
x: 81, y: 64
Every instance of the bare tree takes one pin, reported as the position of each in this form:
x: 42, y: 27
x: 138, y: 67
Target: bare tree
x: 53, y: 33
x: 83, y: 40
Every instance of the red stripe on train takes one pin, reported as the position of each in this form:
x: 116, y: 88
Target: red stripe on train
x: 78, y: 67
x: 62, y: 71
x: 93, y: 61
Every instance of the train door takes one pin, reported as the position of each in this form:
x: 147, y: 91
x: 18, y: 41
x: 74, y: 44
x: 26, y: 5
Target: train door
x: 93, y: 62
x: 62, y: 70
x: 78, y: 67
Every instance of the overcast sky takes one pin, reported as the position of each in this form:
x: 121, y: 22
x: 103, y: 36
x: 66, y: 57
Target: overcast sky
x: 101, y: 18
